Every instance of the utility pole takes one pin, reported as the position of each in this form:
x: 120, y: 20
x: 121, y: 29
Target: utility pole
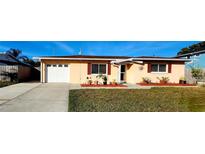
x: 80, y: 52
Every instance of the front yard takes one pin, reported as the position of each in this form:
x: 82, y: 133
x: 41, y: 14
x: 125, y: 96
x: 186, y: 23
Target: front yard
x: 137, y: 100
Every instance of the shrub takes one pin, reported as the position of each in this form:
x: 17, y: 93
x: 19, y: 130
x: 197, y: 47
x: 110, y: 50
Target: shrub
x: 6, y: 83
x: 103, y: 77
x: 146, y: 80
x: 163, y: 80
x: 197, y: 73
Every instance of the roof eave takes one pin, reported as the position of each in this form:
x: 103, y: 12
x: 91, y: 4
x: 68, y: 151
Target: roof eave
x: 191, y: 54
x: 52, y: 58
x: 114, y: 60
x: 161, y: 59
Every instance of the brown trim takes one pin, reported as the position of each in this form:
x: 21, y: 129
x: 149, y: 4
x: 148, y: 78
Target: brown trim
x: 58, y: 61
x: 149, y: 68
x: 109, y: 69
x: 88, y: 56
x: 89, y: 68
x: 163, y: 62
x: 169, y: 68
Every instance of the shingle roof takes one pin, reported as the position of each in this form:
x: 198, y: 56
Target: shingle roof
x: 4, y: 58
x: 88, y: 56
x: 111, y: 57
x: 10, y: 60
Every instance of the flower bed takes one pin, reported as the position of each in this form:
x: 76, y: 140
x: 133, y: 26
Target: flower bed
x: 101, y: 85
x: 167, y: 84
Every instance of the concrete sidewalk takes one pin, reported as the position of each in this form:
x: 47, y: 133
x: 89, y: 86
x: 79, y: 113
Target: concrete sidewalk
x: 10, y: 92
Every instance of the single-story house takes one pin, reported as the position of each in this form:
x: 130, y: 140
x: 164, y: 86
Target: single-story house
x: 11, y: 69
x: 78, y: 68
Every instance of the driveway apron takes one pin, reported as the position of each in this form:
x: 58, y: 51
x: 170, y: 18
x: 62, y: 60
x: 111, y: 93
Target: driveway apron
x: 48, y: 97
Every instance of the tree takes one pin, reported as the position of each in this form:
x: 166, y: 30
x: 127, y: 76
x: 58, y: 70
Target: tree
x: 197, y: 73
x: 18, y: 55
x: 183, y: 51
x: 193, y: 48
x: 14, y: 52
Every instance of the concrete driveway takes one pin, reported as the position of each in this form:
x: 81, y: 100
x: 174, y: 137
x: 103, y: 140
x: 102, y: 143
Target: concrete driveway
x: 49, y: 97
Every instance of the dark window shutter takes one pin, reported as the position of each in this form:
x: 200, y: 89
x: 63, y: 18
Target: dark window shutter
x: 109, y: 69
x: 89, y: 68
x: 149, y: 68
x: 169, y: 68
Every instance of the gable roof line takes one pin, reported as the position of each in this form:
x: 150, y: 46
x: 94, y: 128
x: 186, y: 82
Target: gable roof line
x: 115, y: 59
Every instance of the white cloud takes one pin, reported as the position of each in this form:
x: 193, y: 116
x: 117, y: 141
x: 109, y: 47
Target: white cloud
x: 64, y: 46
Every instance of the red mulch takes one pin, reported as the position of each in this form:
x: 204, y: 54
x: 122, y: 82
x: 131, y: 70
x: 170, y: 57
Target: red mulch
x: 168, y: 84
x: 101, y: 85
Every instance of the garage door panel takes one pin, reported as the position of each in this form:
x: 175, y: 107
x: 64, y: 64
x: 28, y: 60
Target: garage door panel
x: 57, y: 73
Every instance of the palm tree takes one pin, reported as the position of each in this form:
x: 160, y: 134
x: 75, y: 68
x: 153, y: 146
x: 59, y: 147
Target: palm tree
x: 14, y: 52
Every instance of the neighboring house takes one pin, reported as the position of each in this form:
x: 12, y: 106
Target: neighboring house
x: 197, y: 59
x: 12, y: 69
x: 76, y: 69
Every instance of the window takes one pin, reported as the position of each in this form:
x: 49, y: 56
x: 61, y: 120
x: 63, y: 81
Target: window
x: 65, y: 65
x: 94, y: 68
x: 60, y: 65
x: 48, y: 65
x: 102, y: 69
x: 158, y: 67
x: 154, y: 68
x: 54, y: 65
x: 99, y: 69
x: 162, y: 68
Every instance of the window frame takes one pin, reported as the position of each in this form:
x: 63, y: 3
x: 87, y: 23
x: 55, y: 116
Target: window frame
x: 106, y: 67
x: 158, y: 64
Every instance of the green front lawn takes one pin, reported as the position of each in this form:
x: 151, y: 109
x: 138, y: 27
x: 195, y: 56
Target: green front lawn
x: 137, y: 100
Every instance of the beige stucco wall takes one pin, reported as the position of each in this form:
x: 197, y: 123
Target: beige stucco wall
x: 134, y: 72
x: 78, y: 70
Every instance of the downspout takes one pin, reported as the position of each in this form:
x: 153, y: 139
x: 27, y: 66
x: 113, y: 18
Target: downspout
x: 41, y: 76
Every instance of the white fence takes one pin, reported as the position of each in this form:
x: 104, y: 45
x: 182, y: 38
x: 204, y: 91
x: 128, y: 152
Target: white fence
x: 7, y: 71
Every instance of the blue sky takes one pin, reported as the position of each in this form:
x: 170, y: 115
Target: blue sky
x: 120, y: 48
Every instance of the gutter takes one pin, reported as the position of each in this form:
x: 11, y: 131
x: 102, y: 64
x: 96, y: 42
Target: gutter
x: 50, y: 58
x: 162, y: 59
x: 140, y: 60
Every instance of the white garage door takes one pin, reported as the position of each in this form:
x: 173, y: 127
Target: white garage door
x: 57, y: 73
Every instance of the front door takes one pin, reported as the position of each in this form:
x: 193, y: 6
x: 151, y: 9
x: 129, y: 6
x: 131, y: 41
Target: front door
x: 122, y: 73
